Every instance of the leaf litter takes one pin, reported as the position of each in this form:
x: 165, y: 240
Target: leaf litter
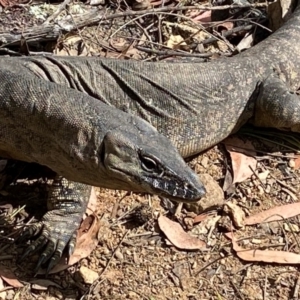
x: 277, y: 213
x: 177, y: 236
x: 152, y: 252
x: 266, y: 256
x: 242, y: 158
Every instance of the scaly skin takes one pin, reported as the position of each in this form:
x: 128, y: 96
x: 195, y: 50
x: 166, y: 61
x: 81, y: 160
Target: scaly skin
x: 86, y: 142
x: 194, y: 105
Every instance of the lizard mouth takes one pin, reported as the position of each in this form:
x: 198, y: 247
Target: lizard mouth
x: 176, y: 191
x: 188, y: 191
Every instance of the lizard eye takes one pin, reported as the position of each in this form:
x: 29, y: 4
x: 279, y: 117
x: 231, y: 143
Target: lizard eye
x: 148, y: 164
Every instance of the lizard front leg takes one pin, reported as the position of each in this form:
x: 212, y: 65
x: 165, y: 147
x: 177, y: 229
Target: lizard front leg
x: 277, y: 106
x: 67, y: 201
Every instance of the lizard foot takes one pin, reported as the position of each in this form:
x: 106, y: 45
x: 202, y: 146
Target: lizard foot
x: 54, y: 233
x: 57, y: 230
x: 277, y: 106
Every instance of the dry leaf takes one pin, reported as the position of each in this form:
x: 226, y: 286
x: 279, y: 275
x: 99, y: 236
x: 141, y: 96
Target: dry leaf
x: 11, y: 3
x: 141, y: 4
x: 246, y: 42
x: 275, y: 214
x: 2, y: 290
x: 201, y: 218
x: 201, y: 17
x: 242, y: 162
x: 206, y: 226
x: 291, y: 227
x: 227, y: 185
x: 267, y: 256
x: 176, y: 42
x: 177, y: 236
x: 119, y: 44
x: 133, y: 53
x: 222, y: 45
x: 9, y: 277
x: 71, y: 45
x: 86, y: 240
x: 297, y: 162
x: 287, y: 8
x: 93, y: 202
x: 225, y: 26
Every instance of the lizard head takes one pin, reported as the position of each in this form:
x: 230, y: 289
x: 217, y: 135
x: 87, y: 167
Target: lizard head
x: 143, y: 160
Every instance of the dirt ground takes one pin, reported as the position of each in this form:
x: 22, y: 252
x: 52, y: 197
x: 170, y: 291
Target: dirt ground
x: 133, y: 258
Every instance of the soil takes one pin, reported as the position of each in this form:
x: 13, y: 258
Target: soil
x: 133, y: 258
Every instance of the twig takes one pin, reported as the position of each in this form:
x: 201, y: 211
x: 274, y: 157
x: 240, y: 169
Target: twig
x: 257, y: 177
x: 145, y: 33
x: 8, y: 256
x: 261, y: 151
x: 101, y: 279
x: 10, y: 52
x: 178, y: 209
x: 209, y: 264
x: 58, y: 11
x: 296, y: 289
x: 287, y: 191
x: 173, y: 53
x: 124, y: 215
x: 227, y: 34
x: 284, y: 184
x: 204, y: 42
x: 53, y: 31
x: 147, y: 233
x: 221, y: 37
x: 112, y: 256
x: 14, y: 53
x: 265, y: 288
x: 236, y: 289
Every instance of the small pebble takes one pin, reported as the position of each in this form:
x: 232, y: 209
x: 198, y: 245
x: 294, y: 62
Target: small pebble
x: 204, y: 162
x: 256, y: 241
x: 88, y: 275
x: 106, y: 251
x: 292, y: 163
x: 119, y: 255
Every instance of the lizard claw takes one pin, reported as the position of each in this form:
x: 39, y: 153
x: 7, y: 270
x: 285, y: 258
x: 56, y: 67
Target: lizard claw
x: 27, y: 233
x: 71, y: 244
x: 52, y: 252
x: 53, y: 261
x: 49, y: 254
x: 39, y: 263
x: 33, y: 248
x: 55, y: 234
